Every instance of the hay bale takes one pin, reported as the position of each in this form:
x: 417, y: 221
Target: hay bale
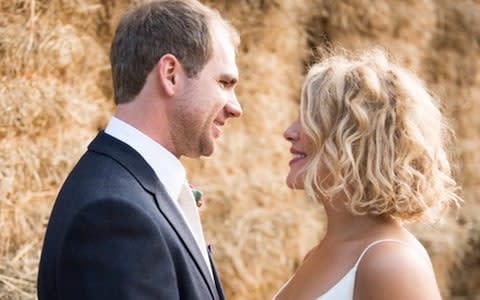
x: 55, y: 93
x: 404, y: 28
x: 454, y: 70
x: 25, y: 202
x: 52, y: 100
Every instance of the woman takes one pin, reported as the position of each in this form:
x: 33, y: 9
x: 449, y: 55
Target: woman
x: 370, y: 146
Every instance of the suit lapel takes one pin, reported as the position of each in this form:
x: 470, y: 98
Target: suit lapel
x: 170, y: 212
x: 218, y: 283
x: 139, y: 168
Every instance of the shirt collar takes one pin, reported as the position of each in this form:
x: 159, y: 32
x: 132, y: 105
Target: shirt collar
x: 166, y: 166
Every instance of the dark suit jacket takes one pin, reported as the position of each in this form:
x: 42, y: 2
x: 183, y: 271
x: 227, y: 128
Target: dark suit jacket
x: 114, y: 233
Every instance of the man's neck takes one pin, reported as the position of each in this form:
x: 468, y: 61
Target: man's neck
x: 147, y: 118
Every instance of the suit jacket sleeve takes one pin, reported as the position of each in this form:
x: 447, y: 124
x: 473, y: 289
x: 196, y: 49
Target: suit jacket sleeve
x: 113, y: 250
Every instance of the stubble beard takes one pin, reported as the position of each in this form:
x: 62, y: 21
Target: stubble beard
x: 190, y: 137
x: 196, y: 141
x: 191, y: 130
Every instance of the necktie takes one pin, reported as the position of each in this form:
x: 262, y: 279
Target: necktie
x: 188, y: 205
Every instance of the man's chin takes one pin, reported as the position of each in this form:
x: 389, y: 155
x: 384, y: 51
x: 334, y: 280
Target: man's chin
x: 208, y: 151
x: 203, y: 150
x: 208, y: 147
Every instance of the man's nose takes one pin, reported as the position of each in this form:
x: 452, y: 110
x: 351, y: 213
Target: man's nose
x: 233, y: 108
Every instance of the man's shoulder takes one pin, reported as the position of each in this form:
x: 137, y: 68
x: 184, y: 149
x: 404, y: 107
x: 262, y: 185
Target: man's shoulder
x: 98, y: 172
x: 95, y: 177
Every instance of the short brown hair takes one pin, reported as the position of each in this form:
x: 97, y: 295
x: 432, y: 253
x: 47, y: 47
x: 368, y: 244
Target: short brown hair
x: 149, y: 31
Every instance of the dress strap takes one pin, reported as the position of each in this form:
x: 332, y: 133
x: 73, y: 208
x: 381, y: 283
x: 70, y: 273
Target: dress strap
x: 373, y: 244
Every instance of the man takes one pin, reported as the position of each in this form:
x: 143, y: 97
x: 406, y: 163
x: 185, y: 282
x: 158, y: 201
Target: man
x: 125, y: 225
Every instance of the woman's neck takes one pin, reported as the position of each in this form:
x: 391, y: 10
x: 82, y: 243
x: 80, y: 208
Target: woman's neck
x: 343, y: 226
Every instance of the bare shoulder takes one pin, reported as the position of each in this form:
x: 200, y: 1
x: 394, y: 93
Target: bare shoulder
x: 309, y: 253
x: 392, y: 270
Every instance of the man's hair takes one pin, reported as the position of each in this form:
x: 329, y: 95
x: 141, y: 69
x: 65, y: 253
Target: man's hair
x: 379, y: 135
x: 182, y: 28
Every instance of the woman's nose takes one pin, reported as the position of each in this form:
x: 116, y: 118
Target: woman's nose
x: 292, y: 132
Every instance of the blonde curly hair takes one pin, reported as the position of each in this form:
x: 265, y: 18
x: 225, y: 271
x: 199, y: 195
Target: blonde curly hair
x: 380, y: 136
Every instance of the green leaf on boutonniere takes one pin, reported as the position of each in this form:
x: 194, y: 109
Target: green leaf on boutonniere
x: 198, y: 197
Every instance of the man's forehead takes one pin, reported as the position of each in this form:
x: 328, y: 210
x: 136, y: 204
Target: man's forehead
x: 224, y: 54
x: 220, y: 27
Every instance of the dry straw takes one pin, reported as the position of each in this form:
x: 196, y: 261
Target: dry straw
x: 453, y: 68
x: 51, y: 103
x: 55, y: 93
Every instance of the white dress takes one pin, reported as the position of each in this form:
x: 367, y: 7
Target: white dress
x: 343, y: 289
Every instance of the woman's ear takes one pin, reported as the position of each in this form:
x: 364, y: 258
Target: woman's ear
x: 167, y: 71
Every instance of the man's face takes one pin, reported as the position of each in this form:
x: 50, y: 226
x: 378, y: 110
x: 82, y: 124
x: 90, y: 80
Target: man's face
x: 206, y: 101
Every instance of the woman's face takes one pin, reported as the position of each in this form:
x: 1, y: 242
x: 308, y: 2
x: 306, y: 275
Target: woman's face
x: 301, y: 149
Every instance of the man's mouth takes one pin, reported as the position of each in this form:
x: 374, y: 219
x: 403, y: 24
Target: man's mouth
x: 217, y: 131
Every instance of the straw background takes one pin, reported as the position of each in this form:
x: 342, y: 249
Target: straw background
x: 55, y: 95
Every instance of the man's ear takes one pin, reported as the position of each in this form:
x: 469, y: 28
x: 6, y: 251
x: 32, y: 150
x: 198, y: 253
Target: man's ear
x: 167, y: 70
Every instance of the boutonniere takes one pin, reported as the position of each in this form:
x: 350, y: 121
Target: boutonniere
x: 199, y: 198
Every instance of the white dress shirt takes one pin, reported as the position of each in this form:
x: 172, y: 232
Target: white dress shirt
x: 166, y: 166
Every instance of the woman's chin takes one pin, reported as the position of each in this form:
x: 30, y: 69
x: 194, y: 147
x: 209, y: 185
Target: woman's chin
x: 294, y: 184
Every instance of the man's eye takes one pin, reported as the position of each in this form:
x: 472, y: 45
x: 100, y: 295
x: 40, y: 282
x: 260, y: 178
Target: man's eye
x: 227, y: 83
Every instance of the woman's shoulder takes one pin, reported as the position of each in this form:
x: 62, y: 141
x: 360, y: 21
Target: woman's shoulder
x: 396, y: 269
